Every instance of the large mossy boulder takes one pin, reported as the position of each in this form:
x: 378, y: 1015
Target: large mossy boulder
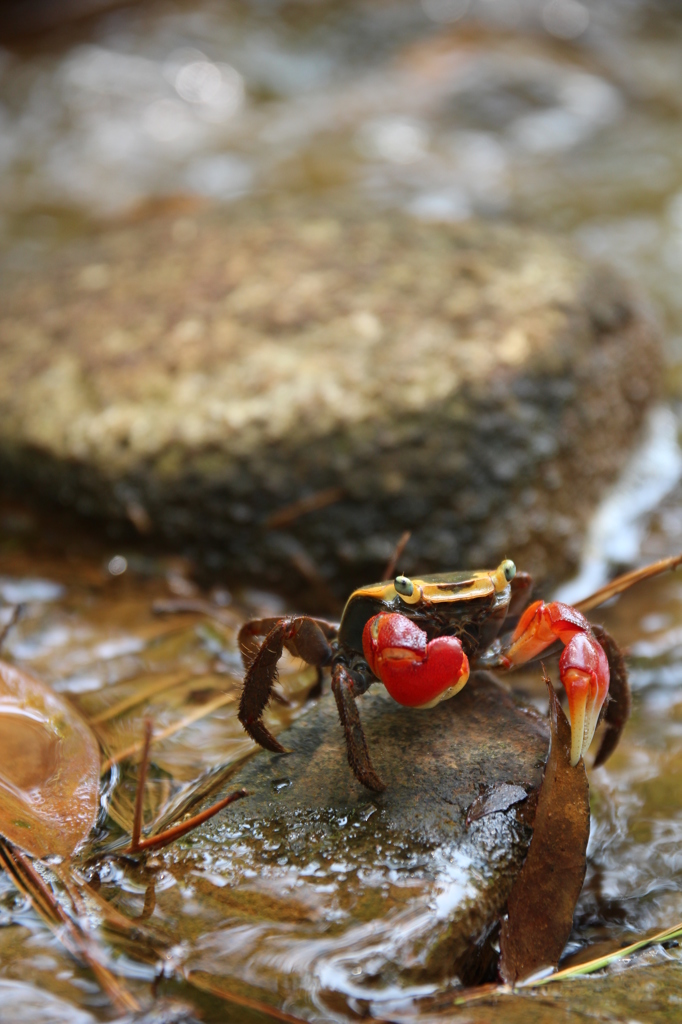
x: 287, y: 389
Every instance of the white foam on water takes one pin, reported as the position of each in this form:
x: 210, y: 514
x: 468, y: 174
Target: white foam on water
x: 618, y: 527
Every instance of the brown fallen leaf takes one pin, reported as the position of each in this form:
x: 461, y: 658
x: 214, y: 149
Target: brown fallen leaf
x: 543, y: 898
x: 49, y: 768
x: 496, y: 799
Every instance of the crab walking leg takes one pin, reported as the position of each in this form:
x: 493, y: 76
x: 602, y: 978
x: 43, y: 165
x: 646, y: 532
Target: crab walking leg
x: 618, y: 705
x: 249, y: 645
x: 583, y: 666
x: 346, y: 688
x: 303, y: 637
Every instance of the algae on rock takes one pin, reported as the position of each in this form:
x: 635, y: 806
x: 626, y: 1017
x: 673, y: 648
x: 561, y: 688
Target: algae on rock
x: 476, y: 383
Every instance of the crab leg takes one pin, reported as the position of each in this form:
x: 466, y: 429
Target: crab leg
x: 346, y: 687
x: 583, y: 666
x: 304, y: 637
x: 617, y: 708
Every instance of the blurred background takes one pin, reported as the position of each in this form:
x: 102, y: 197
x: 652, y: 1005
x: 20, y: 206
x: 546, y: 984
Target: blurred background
x: 561, y: 115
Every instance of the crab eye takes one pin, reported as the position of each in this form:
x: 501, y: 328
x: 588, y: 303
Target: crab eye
x: 509, y: 569
x: 404, y: 586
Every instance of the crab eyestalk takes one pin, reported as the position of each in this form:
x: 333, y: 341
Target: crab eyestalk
x: 417, y: 673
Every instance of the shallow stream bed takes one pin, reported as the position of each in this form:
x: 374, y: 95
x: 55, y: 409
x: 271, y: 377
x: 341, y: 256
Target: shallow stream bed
x: 566, y: 115
x: 308, y: 918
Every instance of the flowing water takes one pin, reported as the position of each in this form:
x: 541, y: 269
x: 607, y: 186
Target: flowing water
x: 563, y: 114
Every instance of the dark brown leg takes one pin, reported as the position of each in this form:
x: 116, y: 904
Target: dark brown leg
x: 346, y: 688
x: 617, y: 709
x: 249, y: 645
x: 316, y: 689
x: 304, y: 638
x: 521, y: 590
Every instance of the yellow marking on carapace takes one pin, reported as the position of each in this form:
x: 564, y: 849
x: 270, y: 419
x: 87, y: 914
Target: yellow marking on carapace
x: 479, y: 584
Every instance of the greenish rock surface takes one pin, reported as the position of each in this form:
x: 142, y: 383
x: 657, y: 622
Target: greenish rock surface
x: 201, y: 374
x: 313, y: 884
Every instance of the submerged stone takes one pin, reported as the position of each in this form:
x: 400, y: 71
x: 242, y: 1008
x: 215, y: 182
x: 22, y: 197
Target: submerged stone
x: 288, y: 387
x: 315, y: 885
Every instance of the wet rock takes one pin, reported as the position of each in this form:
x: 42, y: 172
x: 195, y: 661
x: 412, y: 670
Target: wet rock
x: 288, y: 389
x: 644, y: 987
x: 314, y: 878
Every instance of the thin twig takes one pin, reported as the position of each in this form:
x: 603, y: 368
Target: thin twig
x: 397, y: 555
x: 205, y: 984
x: 626, y: 581
x: 141, y: 779
x: 290, y: 513
x: 177, y: 831
x: 14, y: 617
x: 28, y: 881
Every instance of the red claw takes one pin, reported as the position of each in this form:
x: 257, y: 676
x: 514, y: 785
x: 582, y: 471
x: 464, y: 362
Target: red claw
x: 583, y: 666
x: 417, y: 673
x: 584, y: 671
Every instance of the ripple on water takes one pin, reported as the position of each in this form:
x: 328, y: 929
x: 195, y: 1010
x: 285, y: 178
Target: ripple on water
x: 23, y: 1002
x: 30, y: 749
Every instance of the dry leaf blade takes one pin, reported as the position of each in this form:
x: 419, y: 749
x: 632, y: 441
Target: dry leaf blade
x: 543, y: 898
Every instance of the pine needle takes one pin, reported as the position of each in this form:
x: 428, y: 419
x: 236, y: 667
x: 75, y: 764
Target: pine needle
x: 204, y: 984
x: 142, y: 693
x: 590, y: 966
x: 30, y: 883
x: 578, y: 971
x: 164, y: 734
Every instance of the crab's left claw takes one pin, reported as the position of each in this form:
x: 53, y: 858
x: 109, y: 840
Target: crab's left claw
x: 583, y: 666
x: 584, y: 672
x: 417, y: 673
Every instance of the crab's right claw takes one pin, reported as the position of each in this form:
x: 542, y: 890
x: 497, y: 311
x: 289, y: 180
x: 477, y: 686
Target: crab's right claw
x: 417, y: 673
x: 584, y: 672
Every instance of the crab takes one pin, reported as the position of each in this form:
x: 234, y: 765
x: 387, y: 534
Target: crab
x: 422, y: 637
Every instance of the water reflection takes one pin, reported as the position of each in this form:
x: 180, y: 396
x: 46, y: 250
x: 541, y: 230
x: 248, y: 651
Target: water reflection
x: 351, y: 925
